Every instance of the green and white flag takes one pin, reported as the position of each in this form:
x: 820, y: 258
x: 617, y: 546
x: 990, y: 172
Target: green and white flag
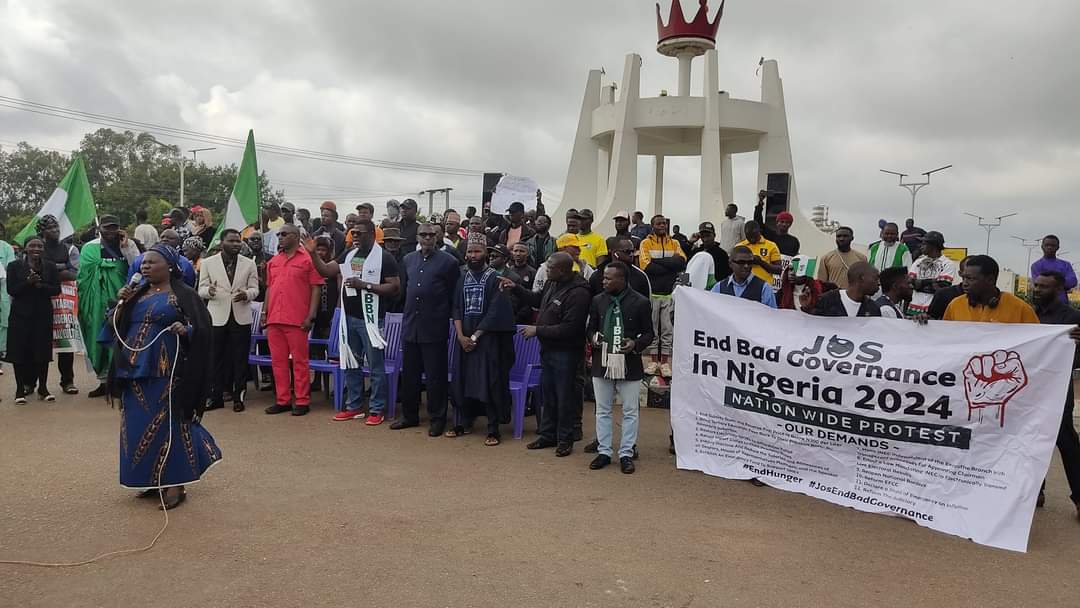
x: 803, y: 266
x: 71, y: 203
x: 243, y: 207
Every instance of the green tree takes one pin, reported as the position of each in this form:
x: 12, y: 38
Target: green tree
x: 28, y: 175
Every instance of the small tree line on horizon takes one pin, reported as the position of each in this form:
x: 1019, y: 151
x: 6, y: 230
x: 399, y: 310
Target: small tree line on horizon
x: 127, y: 171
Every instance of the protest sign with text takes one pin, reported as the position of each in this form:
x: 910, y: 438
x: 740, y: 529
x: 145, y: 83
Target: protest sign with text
x: 514, y: 188
x: 950, y: 424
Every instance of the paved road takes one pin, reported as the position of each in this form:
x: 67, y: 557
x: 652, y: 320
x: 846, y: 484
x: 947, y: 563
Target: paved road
x: 308, y: 512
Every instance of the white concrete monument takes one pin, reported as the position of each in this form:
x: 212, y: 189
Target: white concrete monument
x: 612, y: 134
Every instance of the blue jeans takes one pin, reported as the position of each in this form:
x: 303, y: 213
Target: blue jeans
x: 354, y: 378
x: 629, y: 393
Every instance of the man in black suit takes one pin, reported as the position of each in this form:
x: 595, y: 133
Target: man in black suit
x: 854, y: 301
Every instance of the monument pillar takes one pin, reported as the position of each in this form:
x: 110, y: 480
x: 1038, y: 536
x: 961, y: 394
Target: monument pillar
x: 622, y: 182
x: 656, y: 195
x: 686, y: 61
x: 710, y: 202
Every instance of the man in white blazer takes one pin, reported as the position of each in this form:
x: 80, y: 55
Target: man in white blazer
x: 229, y: 282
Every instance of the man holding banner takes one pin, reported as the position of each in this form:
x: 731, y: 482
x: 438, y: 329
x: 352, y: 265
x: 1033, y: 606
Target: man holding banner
x: 67, y: 339
x: 949, y: 425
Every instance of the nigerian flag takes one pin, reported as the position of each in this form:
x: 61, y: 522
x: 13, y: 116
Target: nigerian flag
x: 243, y: 207
x: 71, y: 204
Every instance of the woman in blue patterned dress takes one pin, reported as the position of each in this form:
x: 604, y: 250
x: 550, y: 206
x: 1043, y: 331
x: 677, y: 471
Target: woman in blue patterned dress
x: 166, y: 340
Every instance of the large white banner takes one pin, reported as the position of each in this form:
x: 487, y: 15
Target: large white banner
x: 951, y: 424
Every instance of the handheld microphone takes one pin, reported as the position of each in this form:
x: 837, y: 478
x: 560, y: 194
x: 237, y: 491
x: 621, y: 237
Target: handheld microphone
x: 131, y: 284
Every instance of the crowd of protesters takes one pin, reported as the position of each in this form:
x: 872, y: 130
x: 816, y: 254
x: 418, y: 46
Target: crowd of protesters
x: 598, y: 300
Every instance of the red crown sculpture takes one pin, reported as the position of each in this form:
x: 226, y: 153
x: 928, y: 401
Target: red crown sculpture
x: 679, y: 27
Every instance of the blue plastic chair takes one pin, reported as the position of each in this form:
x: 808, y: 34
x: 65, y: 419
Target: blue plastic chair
x: 331, y: 363
x: 524, y: 376
x: 257, y: 336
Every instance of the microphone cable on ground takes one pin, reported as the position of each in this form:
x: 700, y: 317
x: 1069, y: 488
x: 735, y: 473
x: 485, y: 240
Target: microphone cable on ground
x: 161, y: 495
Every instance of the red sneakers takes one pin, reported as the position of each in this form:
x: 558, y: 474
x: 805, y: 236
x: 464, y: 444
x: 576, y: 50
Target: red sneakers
x: 344, y: 415
x: 374, y: 420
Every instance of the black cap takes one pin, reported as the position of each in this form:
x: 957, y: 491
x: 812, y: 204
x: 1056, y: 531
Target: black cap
x: 108, y: 220
x: 500, y: 249
x: 706, y: 227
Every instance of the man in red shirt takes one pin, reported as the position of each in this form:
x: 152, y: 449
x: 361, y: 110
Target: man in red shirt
x: 292, y: 299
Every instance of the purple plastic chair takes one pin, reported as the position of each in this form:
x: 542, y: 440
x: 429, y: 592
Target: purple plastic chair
x: 391, y: 360
x: 524, y: 376
x: 331, y: 363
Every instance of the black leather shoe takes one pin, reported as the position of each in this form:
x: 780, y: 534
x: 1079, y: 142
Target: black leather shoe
x: 401, y: 423
x: 238, y: 406
x: 100, y: 391
x: 592, y: 446
x: 300, y: 410
x: 278, y: 409
x: 564, y: 449
x: 435, y: 431
x: 600, y: 462
x: 215, y: 405
x: 626, y: 463
x: 540, y: 444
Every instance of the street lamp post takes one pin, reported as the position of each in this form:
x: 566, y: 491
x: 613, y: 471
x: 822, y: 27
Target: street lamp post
x: 1030, y: 245
x: 183, y: 163
x: 989, y: 225
x: 914, y: 187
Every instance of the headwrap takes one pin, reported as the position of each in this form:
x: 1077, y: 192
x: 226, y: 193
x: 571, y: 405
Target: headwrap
x: 45, y: 222
x: 172, y: 256
x: 194, y: 243
x: 785, y: 215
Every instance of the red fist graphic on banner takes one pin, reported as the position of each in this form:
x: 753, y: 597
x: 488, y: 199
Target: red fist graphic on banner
x: 992, y: 380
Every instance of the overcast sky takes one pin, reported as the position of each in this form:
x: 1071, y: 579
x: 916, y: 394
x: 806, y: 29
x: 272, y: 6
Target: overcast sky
x: 990, y: 87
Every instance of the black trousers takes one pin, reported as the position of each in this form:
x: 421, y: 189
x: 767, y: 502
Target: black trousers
x: 1068, y: 444
x: 562, y: 394
x: 65, y: 362
x: 230, y: 345
x: 424, y: 358
x: 29, y: 375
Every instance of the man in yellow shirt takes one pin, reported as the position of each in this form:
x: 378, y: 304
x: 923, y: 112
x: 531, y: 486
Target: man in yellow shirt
x: 593, y: 246
x: 983, y: 301
x: 766, y: 253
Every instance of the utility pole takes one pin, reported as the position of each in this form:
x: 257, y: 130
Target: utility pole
x: 914, y: 187
x: 989, y: 225
x: 431, y: 198
x: 183, y: 163
x: 1030, y: 245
